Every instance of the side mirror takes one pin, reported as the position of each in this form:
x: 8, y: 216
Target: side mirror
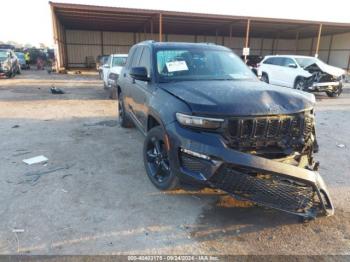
x: 292, y: 65
x: 139, y: 73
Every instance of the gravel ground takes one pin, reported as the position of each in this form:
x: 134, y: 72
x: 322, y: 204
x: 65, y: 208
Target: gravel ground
x: 93, y: 197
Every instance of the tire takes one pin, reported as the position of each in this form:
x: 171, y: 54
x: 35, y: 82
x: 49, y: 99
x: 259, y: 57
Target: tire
x: 335, y: 93
x: 19, y: 70
x: 113, y: 93
x: 124, y: 120
x: 299, y: 84
x: 100, y: 74
x: 156, y: 160
x: 264, y: 78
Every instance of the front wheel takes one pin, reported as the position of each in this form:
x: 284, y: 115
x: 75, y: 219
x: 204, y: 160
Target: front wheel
x: 299, y: 84
x: 264, y: 78
x: 336, y: 92
x: 156, y: 160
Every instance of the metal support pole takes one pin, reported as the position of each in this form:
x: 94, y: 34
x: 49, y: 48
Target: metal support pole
x: 160, y: 27
x: 318, y: 40
x: 216, y: 36
x: 247, y: 39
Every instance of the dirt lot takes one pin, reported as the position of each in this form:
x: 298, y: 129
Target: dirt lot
x: 96, y: 199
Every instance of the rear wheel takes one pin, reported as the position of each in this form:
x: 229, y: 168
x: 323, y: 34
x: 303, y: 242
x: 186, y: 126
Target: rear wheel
x: 124, y: 120
x: 264, y: 78
x: 156, y: 160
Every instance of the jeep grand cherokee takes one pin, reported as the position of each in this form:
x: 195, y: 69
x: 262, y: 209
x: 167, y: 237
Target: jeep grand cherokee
x: 209, y: 121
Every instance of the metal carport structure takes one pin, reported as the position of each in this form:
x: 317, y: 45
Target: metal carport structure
x: 82, y: 31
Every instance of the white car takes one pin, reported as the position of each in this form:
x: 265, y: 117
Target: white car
x: 302, y: 72
x: 112, y: 68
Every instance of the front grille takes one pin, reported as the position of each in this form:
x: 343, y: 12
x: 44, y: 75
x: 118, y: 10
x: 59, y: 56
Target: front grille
x: 266, y: 189
x: 264, y: 131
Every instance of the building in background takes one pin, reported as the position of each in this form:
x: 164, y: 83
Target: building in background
x: 83, y: 32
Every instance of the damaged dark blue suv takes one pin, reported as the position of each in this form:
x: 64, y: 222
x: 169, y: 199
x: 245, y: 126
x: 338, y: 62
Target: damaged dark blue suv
x: 209, y: 121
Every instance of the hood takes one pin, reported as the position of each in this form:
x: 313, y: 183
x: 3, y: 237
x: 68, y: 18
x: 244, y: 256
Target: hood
x: 239, y: 98
x: 332, y: 70
x: 116, y: 70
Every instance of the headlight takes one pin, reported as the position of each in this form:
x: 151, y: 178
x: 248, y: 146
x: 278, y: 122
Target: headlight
x: 199, y: 122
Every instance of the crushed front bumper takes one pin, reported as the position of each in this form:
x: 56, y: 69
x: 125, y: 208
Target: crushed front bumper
x: 204, y: 158
x: 325, y: 86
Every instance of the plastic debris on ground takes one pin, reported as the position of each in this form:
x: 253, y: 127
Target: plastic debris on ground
x: 35, y: 160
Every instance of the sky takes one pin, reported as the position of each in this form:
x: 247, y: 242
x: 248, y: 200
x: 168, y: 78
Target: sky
x: 33, y: 23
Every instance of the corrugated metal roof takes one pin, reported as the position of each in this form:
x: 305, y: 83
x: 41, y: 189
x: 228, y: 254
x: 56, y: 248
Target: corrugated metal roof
x: 88, y: 17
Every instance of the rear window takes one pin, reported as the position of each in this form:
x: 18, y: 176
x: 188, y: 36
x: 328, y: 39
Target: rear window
x: 274, y: 61
x: 119, y: 61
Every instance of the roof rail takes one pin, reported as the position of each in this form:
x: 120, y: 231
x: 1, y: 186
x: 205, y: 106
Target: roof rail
x: 207, y: 43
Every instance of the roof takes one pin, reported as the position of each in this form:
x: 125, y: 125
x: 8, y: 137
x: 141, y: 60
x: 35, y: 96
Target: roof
x: 119, y: 55
x: 89, y: 17
x: 159, y: 45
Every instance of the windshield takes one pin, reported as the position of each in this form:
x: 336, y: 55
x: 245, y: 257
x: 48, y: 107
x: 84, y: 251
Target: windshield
x: 200, y: 64
x: 20, y: 55
x: 119, y: 61
x: 306, y: 61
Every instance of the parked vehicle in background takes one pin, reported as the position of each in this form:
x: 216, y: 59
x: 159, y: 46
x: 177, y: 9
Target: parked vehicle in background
x: 21, y: 60
x: 303, y: 73
x: 101, y: 60
x: 9, y: 65
x: 209, y: 121
x: 253, y: 62
x: 112, y: 68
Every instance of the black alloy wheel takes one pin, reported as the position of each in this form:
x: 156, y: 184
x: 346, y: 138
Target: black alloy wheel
x: 156, y: 160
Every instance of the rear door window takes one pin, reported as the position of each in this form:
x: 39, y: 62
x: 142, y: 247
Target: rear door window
x: 274, y: 61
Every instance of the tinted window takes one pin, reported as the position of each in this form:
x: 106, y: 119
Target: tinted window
x: 109, y: 60
x: 130, y: 56
x: 274, y: 61
x: 119, y: 61
x: 146, y: 59
x: 269, y: 61
x: 287, y: 61
x: 136, y: 56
